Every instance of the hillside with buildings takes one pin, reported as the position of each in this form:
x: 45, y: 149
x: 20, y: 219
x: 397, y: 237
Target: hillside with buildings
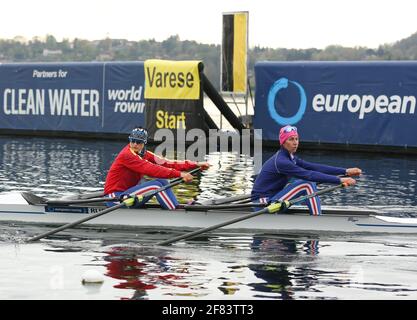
x: 48, y: 49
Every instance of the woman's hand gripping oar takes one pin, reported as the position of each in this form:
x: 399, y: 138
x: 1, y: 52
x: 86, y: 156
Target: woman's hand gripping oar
x: 130, y: 201
x: 272, y: 208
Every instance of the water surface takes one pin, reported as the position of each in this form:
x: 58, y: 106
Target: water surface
x: 214, y: 266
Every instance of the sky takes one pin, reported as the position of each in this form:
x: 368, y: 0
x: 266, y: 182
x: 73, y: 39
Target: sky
x: 296, y: 24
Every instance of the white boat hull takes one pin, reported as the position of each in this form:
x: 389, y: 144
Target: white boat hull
x: 335, y: 221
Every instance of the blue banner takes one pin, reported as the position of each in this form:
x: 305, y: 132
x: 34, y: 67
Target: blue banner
x: 75, y: 97
x: 365, y: 103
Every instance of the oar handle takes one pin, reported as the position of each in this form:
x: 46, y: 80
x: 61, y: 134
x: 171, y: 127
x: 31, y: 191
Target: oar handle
x: 195, y: 170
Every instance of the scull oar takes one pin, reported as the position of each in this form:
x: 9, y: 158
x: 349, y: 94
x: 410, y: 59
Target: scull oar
x: 125, y: 203
x: 272, y: 208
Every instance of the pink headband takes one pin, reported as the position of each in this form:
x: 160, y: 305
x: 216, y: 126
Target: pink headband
x: 287, y: 132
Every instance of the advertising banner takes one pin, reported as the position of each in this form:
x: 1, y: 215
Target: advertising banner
x: 124, y: 101
x: 365, y: 103
x: 73, y: 97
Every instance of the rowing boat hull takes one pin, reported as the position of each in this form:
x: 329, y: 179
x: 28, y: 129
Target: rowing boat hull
x: 296, y: 221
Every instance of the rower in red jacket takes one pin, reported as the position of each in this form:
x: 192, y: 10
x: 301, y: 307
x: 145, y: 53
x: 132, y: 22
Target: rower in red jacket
x: 134, y: 162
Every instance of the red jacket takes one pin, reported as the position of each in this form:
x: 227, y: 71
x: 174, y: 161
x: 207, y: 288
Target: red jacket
x: 128, y: 169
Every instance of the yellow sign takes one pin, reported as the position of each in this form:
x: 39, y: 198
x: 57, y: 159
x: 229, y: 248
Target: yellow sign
x: 164, y: 120
x: 240, y: 52
x: 172, y: 80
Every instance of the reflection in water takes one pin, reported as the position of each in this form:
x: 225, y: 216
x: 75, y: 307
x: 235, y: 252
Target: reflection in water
x: 276, y: 277
x: 223, y: 266
x: 279, y: 276
x: 260, y: 268
x: 277, y: 281
x: 132, y: 270
x: 146, y: 269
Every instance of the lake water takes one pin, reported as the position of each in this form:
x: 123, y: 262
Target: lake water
x: 219, y: 265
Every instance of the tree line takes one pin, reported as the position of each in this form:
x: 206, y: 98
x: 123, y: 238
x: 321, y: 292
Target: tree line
x: 51, y: 50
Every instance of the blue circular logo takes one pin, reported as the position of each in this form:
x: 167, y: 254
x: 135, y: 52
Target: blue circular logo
x: 276, y: 87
